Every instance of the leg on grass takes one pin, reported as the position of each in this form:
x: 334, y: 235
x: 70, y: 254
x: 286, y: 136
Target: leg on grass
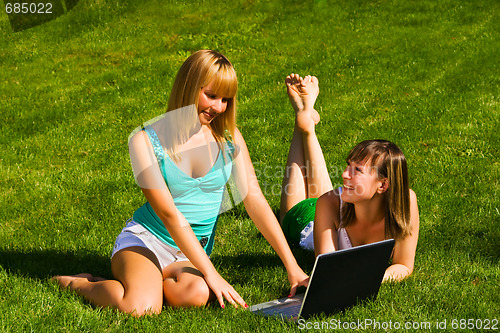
x: 137, y: 289
x: 184, y: 285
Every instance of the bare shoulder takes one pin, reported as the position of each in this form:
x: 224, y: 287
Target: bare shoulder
x: 240, y: 144
x: 238, y: 137
x: 139, y: 139
x: 331, y: 197
x: 415, y: 219
x: 329, y: 203
x: 413, y: 198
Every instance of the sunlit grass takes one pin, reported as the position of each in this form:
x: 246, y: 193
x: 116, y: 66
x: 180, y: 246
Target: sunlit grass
x: 422, y: 74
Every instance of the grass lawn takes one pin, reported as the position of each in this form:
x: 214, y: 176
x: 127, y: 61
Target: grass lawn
x: 424, y: 74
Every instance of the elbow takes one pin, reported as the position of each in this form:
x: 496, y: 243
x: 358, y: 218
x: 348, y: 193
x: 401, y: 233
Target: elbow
x: 397, y: 273
x: 168, y: 216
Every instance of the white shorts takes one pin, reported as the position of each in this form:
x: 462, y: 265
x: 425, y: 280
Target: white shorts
x: 306, y: 237
x: 135, y: 234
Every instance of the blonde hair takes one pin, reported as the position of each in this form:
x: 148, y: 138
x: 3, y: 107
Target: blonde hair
x: 198, y: 71
x: 389, y: 162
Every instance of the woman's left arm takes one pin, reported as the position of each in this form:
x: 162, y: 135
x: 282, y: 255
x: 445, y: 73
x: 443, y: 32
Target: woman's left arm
x: 261, y: 214
x: 404, y: 250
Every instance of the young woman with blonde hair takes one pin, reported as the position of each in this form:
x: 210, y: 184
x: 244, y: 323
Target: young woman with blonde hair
x: 182, y: 162
x: 374, y: 203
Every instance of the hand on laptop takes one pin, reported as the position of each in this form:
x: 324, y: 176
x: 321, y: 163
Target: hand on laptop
x: 297, y: 279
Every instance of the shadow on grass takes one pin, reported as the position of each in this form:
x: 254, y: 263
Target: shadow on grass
x: 305, y: 259
x: 254, y: 259
x: 42, y: 264
x: 245, y: 268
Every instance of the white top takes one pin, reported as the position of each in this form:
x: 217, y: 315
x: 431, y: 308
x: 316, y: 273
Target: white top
x: 307, y: 239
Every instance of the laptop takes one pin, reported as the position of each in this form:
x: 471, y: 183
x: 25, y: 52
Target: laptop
x: 338, y: 280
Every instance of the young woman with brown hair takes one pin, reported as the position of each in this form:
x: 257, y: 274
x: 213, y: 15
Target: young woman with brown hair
x: 374, y: 203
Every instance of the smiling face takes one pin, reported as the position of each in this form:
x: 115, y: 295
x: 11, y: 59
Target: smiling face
x: 210, y: 104
x: 204, y: 78
x: 377, y: 169
x: 361, y: 182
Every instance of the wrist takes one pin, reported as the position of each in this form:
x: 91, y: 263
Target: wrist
x: 209, y: 272
x: 291, y: 266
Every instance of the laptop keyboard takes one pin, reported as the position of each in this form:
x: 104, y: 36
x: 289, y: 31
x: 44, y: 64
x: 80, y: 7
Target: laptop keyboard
x: 288, y: 310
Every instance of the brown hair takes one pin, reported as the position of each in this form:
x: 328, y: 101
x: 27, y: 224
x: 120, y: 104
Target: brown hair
x: 389, y: 162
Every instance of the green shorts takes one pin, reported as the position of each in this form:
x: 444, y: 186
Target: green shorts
x: 297, y: 218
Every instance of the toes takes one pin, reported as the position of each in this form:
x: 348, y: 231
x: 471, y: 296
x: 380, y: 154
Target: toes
x: 87, y: 276
x: 293, y: 78
x: 290, y: 79
x: 65, y: 280
x: 62, y: 281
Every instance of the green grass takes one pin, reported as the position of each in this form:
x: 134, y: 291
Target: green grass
x: 424, y: 74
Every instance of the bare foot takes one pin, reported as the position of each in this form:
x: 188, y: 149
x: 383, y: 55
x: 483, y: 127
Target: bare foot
x: 292, y: 86
x: 66, y: 281
x: 309, y: 91
x: 302, y: 93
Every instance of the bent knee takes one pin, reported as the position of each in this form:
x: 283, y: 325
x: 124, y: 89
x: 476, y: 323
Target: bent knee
x: 139, y: 310
x: 139, y: 306
x: 200, y: 293
x: 191, y: 293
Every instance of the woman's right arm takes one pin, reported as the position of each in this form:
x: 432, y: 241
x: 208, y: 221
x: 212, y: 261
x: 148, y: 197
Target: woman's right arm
x: 325, y: 230
x: 148, y: 176
x: 184, y: 237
